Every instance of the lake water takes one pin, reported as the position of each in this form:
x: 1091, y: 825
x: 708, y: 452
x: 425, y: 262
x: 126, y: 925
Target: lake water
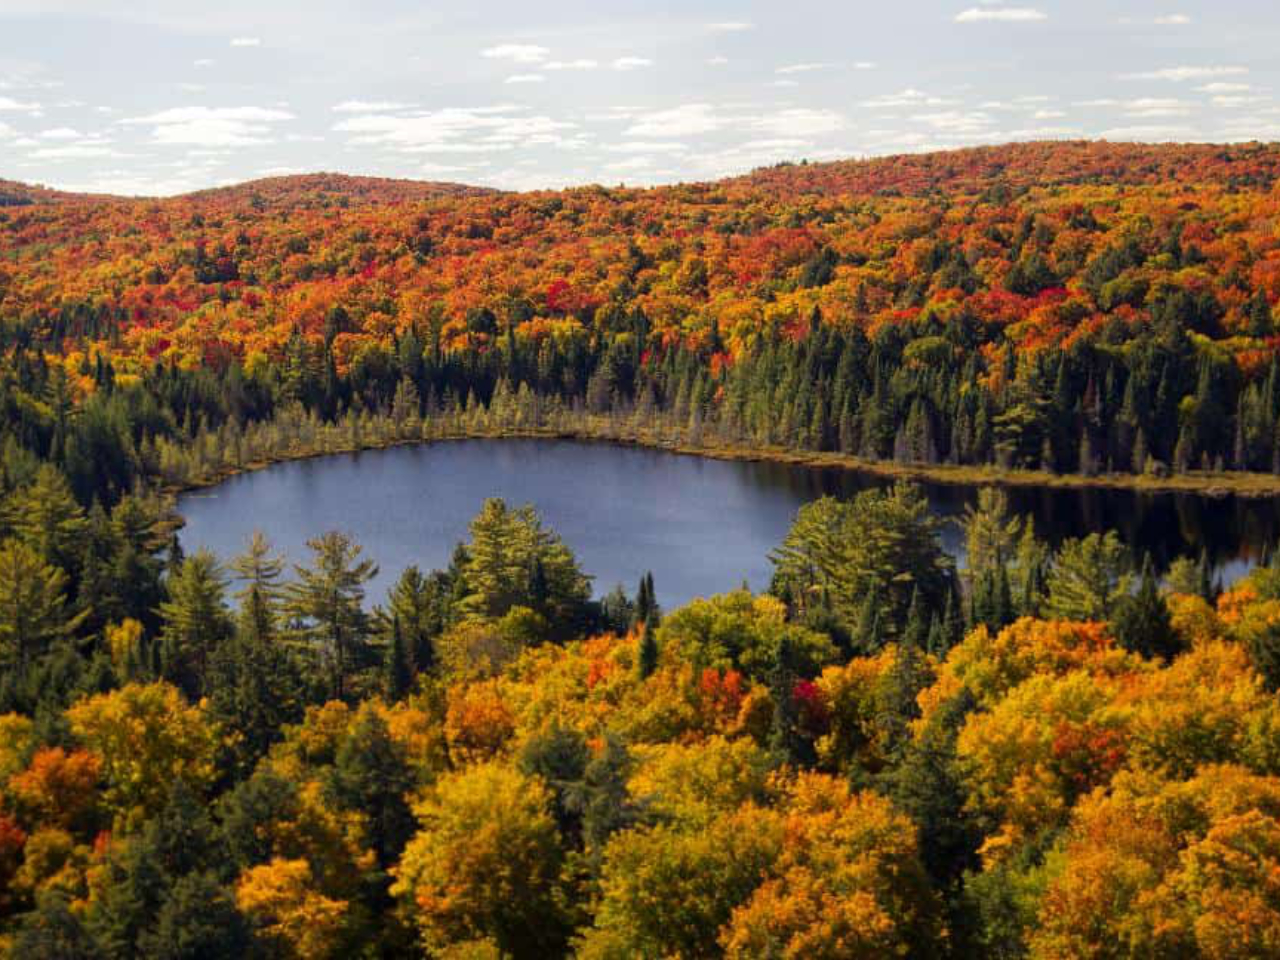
x: 702, y: 526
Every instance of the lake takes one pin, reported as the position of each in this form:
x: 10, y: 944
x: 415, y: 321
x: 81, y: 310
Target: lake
x: 702, y: 526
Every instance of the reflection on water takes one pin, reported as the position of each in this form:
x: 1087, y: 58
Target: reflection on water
x: 702, y: 526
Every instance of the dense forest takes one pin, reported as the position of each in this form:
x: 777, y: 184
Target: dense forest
x: 1048, y: 752
x: 1073, y: 308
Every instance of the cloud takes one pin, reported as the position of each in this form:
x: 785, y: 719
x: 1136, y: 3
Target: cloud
x: 246, y: 41
x: 799, y: 122
x: 801, y: 68
x: 211, y: 126
x: 1001, y: 15
x: 75, y: 151
x: 909, y: 97
x: 717, y: 61
x: 9, y: 105
x: 451, y: 130
x: 581, y: 64
x: 203, y: 62
x: 631, y: 63
x: 516, y: 52
x: 730, y: 26
x: 1149, y: 132
x: 7, y: 131
x: 1172, y: 20
x: 1182, y: 74
x: 61, y: 133
x: 1224, y: 88
x: 646, y: 146
x: 525, y: 78
x: 683, y: 121
x: 369, y: 106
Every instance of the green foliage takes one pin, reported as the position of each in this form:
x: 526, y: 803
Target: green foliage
x: 1089, y: 578
x: 512, y: 560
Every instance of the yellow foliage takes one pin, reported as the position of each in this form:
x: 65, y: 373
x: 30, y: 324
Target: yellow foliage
x: 280, y: 899
x: 146, y: 737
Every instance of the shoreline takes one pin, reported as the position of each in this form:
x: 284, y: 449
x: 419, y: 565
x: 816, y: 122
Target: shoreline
x: 1196, y: 483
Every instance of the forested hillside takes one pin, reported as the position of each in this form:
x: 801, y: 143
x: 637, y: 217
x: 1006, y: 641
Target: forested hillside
x: 1071, y: 307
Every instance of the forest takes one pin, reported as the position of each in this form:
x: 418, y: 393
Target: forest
x: 1046, y: 752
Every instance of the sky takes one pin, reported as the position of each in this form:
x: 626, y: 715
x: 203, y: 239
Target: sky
x: 158, y: 97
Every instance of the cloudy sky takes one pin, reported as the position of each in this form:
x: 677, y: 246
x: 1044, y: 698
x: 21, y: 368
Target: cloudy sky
x: 162, y: 96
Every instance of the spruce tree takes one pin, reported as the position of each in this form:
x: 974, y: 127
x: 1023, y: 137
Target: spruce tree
x: 647, y: 661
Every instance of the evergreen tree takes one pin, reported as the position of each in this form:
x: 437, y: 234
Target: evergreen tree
x: 1142, y: 622
x: 327, y: 604
x: 648, y: 658
x: 196, y: 622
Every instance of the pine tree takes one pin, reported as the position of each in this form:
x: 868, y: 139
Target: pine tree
x: 397, y: 670
x: 196, y: 621
x: 327, y: 603
x: 1142, y: 623
x: 647, y: 661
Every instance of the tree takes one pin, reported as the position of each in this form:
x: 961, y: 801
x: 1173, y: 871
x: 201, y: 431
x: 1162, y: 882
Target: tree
x: 512, y: 560
x: 33, y: 614
x: 327, y: 604
x: 198, y: 921
x: 146, y: 738
x: 259, y: 595
x: 484, y: 863
x: 879, y: 548
x: 647, y: 660
x: 1142, y: 622
x: 281, y: 901
x: 45, y: 516
x: 1089, y: 578
x: 372, y: 777
x: 196, y: 622
x: 420, y: 607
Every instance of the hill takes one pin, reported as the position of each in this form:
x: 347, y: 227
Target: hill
x: 1071, y: 307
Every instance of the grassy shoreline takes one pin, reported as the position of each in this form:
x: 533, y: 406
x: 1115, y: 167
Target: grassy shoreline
x: 1253, y: 485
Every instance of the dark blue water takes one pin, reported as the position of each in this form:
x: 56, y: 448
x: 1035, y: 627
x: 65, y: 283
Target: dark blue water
x: 702, y: 526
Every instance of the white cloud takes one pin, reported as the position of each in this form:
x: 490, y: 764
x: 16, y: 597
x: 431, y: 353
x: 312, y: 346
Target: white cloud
x: 1149, y: 132
x: 731, y: 26
x: 7, y: 131
x: 1182, y: 74
x: 61, y: 133
x: 799, y: 122
x: 525, y: 78
x: 451, y: 130
x: 203, y: 62
x: 581, y: 64
x: 646, y: 146
x: 369, y: 106
x: 1225, y: 88
x: 246, y: 41
x: 631, y: 63
x: 864, y: 65
x: 717, y: 61
x: 909, y: 97
x: 211, y: 126
x: 801, y: 68
x: 75, y: 151
x: 683, y: 121
x: 9, y: 105
x: 990, y: 14
x: 517, y: 52
x: 1238, y: 100
x: 1173, y: 20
